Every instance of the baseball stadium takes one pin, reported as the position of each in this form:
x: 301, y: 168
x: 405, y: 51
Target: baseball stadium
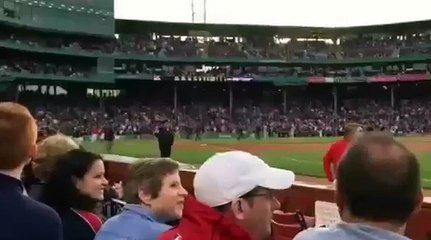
x: 282, y: 93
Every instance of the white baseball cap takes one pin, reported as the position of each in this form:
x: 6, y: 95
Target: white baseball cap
x: 227, y: 176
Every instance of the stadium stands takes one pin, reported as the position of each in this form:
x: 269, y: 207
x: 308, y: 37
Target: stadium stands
x: 78, y: 116
x: 84, y: 70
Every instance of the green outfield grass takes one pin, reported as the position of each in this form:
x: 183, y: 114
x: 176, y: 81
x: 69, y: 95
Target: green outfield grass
x: 302, y: 162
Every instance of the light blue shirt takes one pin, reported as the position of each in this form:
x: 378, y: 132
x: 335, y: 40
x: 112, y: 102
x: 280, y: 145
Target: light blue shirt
x: 133, y: 223
x: 344, y: 231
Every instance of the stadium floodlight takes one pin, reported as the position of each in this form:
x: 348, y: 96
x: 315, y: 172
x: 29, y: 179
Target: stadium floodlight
x: 193, y: 11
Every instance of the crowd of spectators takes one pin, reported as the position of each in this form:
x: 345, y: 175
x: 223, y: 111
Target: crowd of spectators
x: 170, y: 46
x: 188, y: 73
x: 45, y: 68
x: 79, y: 117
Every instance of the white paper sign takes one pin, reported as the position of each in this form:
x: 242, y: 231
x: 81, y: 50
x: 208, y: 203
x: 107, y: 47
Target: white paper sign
x: 326, y: 213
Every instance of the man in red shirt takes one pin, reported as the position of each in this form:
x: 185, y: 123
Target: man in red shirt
x: 330, y: 162
x: 234, y: 199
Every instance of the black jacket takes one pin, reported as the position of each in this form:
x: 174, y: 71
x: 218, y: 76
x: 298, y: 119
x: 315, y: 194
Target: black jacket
x: 165, y: 137
x: 22, y: 217
x: 79, y: 226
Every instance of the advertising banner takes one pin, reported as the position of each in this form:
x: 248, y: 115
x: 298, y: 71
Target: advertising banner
x: 401, y: 78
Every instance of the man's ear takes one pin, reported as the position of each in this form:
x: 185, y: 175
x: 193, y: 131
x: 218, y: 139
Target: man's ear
x: 237, y: 208
x: 419, y: 202
x: 145, y: 197
x: 32, y: 154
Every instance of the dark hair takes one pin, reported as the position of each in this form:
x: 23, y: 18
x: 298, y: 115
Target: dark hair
x: 248, y: 197
x: 379, y: 179
x: 60, y: 190
x: 147, y: 175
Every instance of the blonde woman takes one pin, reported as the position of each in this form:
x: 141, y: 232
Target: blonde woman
x: 49, y: 150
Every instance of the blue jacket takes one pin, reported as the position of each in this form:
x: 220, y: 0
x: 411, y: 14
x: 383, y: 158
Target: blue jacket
x: 24, y: 218
x: 133, y: 223
x: 344, y: 231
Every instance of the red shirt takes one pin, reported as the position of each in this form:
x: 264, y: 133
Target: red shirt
x: 200, y: 222
x: 333, y: 157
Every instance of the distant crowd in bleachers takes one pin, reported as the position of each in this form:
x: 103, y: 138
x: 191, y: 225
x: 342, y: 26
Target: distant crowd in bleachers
x: 128, y: 116
x: 164, y: 46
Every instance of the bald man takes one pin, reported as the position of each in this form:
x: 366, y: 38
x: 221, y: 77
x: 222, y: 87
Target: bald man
x: 377, y: 190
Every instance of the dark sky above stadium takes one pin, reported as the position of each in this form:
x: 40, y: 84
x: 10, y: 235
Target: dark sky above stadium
x: 319, y: 13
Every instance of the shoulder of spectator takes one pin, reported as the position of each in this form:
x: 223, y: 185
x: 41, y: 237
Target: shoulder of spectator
x: 130, y: 225
x: 310, y: 234
x: 50, y: 220
x: 45, y: 213
x: 169, y: 234
x: 110, y: 235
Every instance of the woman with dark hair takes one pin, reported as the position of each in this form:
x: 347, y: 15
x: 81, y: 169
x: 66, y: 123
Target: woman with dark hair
x: 75, y: 187
x: 38, y: 171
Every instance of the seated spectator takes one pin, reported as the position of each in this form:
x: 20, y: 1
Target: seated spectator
x: 154, y: 195
x: 74, y: 188
x: 234, y: 199
x: 21, y: 217
x: 378, y: 189
x: 48, y: 151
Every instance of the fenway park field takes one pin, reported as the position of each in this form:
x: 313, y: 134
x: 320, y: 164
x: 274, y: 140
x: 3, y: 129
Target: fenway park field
x: 301, y: 155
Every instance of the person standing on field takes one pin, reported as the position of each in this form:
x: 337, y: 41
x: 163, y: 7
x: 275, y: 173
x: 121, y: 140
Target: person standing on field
x: 165, y: 139
x: 109, y: 136
x: 378, y: 189
x: 352, y: 131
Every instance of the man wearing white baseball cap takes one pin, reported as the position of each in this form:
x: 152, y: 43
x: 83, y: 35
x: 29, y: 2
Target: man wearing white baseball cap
x: 234, y: 199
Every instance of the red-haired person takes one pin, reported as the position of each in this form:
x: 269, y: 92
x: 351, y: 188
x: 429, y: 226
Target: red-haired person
x: 20, y: 216
x: 330, y: 162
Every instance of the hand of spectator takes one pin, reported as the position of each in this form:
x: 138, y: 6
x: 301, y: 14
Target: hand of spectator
x: 118, y: 188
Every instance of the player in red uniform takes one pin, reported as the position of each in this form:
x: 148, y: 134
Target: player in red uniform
x: 330, y: 162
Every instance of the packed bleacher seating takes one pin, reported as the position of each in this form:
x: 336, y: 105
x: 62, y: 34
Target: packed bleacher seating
x: 188, y: 46
x: 79, y: 116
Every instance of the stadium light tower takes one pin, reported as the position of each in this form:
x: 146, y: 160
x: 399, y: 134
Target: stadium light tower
x: 205, y: 11
x: 193, y: 10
